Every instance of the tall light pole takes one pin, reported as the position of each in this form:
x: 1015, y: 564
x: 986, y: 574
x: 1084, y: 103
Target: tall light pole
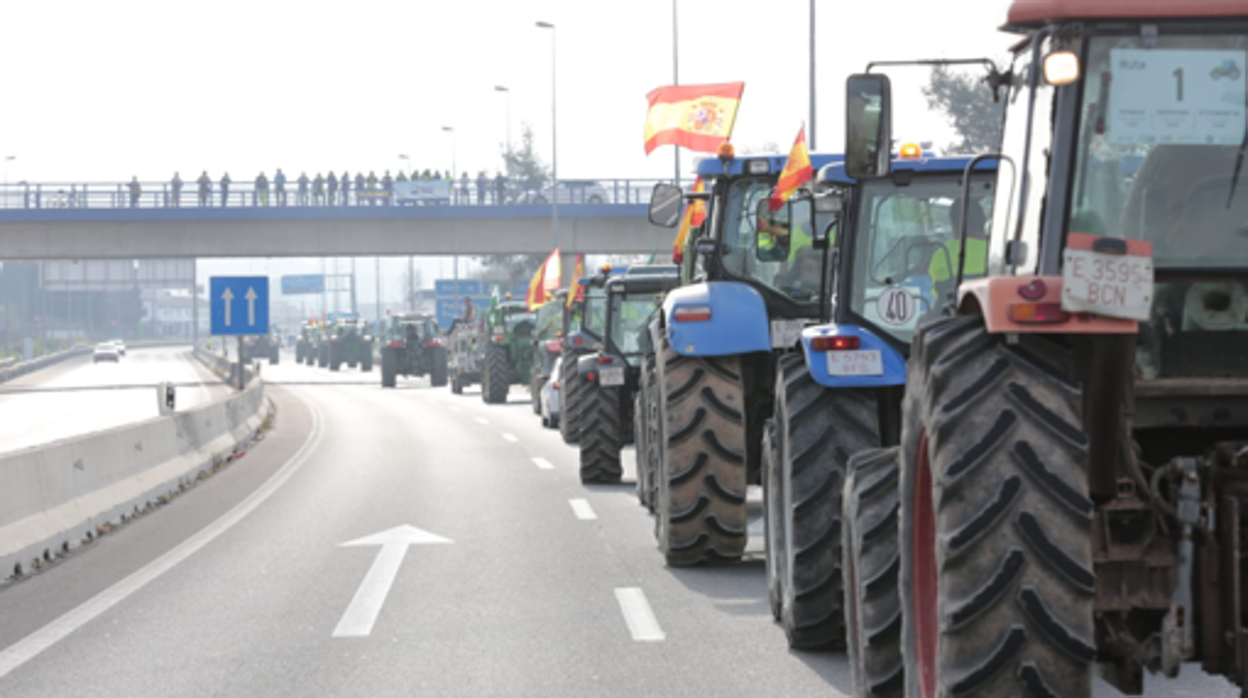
x: 451, y: 130
x: 403, y: 156
x: 811, y: 132
x: 410, y: 260
x: 500, y: 88
x: 676, y: 78
x: 554, y: 138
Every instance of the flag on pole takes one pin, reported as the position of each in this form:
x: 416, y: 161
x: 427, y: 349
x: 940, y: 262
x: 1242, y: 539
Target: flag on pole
x: 495, y: 298
x: 547, y: 278
x: 576, y: 291
x: 698, y: 117
x: 797, y: 171
x: 695, y: 213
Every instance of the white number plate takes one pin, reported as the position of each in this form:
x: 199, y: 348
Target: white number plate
x: 611, y: 376
x: 1112, y: 285
x: 785, y: 333
x: 865, y: 362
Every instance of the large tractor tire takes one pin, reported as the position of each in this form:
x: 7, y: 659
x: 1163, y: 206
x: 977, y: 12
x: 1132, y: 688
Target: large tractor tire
x: 275, y: 356
x: 644, y: 425
x: 773, y: 535
x: 322, y: 356
x: 816, y: 430
x: 437, y: 367
x: 702, y: 485
x: 571, y: 385
x: 998, y: 586
x: 496, y: 379
x: 457, y: 388
x: 871, y: 562
x: 389, y: 367
x: 335, y: 357
x: 602, y: 435
x: 298, y: 353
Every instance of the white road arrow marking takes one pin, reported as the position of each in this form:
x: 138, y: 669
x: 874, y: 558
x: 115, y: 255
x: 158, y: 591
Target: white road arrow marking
x: 371, y: 596
x: 251, y: 306
x: 228, y: 297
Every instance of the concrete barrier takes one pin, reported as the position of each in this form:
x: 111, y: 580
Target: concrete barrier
x: 21, y: 368
x: 53, y: 498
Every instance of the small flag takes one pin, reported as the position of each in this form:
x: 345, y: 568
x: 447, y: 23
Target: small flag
x: 797, y: 171
x: 545, y: 280
x: 695, y: 213
x: 698, y: 117
x: 578, y: 273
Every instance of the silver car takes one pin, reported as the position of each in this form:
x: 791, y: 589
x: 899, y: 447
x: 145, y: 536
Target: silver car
x: 570, y: 191
x: 550, y: 397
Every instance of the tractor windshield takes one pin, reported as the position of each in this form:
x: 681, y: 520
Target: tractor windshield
x: 594, y: 318
x: 629, y: 316
x: 793, y: 273
x: 1160, y: 149
x: 905, y: 248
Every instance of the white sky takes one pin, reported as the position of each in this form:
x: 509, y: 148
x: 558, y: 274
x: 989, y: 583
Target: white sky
x: 101, y: 91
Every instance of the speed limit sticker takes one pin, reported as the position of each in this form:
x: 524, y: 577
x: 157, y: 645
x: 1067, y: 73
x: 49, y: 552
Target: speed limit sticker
x: 896, y: 306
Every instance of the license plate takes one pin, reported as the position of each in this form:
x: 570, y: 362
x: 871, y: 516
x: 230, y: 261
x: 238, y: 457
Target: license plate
x: 1112, y: 285
x: 865, y: 362
x: 786, y: 333
x: 611, y: 376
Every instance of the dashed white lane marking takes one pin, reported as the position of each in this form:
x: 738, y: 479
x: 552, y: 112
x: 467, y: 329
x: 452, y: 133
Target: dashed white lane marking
x: 583, y: 511
x: 482, y: 420
x: 32, y: 645
x: 642, y: 624
x: 543, y: 464
x: 510, y: 437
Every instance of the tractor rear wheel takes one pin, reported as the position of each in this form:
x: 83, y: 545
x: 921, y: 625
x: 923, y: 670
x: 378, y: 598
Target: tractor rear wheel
x: 437, y: 366
x: 702, y: 484
x: 601, y: 435
x: 366, y: 361
x: 497, y: 375
x: 389, y: 367
x: 571, y: 385
x: 997, y: 582
x: 275, y: 356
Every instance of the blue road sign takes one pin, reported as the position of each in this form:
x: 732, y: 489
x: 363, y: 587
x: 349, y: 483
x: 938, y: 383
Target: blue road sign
x: 293, y: 284
x: 450, y: 308
x: 446, y: 288
x: 239, y: 304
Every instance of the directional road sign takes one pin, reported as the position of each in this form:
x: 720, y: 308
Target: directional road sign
x: 240, y: 305
x: 302, y: 283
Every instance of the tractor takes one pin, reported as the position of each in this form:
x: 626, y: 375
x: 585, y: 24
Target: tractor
x: 507, y: 333
x: 413, y: 347
x: 351, y: 343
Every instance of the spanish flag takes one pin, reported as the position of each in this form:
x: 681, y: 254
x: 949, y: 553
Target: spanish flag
x: 695, y: 213
x: 699, y: 117
x: 797, y: 171
x: 576, y: 291
x: 545, y: 281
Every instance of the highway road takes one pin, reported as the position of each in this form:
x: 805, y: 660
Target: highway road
x: 76, y: 396
x: 404, y: 542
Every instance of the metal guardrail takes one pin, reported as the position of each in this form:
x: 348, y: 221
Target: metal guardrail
x: 240, y: 194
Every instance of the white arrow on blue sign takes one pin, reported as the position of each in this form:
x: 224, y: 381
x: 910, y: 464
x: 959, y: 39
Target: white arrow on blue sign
x: 239, y: 305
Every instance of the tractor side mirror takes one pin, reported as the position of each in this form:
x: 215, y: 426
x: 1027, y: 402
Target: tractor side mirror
x: 868, y: 126
x: 666, y: 204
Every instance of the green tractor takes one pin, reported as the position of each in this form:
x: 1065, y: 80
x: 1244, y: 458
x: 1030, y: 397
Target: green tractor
x: 413, y: 347
x: 350, y: 342
x: 547, y: 331
x: 267, y: 347
x: 306, y: 344
x: 508, y: 352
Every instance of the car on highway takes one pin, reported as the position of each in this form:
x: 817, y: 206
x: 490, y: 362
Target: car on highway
x: 106, y: 351
x: 121, y: 346
x: 570, y: 191
x: 549, y: 400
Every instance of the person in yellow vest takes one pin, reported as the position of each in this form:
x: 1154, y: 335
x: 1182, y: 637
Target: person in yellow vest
x: 944, y: 264
x: 778, y: 239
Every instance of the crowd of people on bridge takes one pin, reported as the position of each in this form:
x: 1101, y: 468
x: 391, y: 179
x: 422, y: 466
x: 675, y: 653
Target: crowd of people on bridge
x: 343, y: 190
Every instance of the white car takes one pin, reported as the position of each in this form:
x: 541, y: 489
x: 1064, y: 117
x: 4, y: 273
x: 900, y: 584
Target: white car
x: 121, y: 346
x: 106, y: 351
x: 570, y: 191
x: 550, y: 397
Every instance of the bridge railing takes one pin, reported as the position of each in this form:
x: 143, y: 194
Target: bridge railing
x: 240, y: 194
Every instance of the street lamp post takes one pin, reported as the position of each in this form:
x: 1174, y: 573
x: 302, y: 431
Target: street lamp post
x: 451, y: 130
x: 403, y: 156
x: 500, y: 88
x: 554, y: 138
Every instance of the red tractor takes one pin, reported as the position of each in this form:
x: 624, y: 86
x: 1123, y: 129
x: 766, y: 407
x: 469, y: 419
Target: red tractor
x: 1071, y: 488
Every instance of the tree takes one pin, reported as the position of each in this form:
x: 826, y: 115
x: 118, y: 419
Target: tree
x: 509, y: 270
x: 967, y: 102
x: 523, y: 164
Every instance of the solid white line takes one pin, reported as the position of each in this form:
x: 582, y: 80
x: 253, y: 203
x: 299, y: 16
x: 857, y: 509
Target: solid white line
x: 34, y: 644
x: 583, y: 511
x: 642, y: 624
x: 510, y: 437
x: 482, y: 420
x: 543, y: 464
x: 360, y: 616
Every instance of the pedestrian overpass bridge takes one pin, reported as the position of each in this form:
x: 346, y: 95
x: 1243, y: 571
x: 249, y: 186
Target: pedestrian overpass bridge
x: 251, y: 231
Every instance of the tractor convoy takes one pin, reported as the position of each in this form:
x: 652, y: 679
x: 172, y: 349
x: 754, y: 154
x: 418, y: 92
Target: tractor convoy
x: 995, y: 404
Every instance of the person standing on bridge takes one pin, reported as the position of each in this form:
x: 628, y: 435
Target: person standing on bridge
x: 176, y: 185
x: 262, y: 190
x: 465, y: 193
x: 387, y: 185
x: 225, y: 189
x: 205, y: 189
x: 345, y: 181
x: 371, y: 188
x: 301, y: 197
x: 279, y: 184
x: 332, y: 183
x: 136, y: 190
x: 318, y: 190
x: 500, y: 189
x: 359, y: 189
x: 482, y: 184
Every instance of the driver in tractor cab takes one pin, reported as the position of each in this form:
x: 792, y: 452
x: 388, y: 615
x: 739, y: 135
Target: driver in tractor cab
x: 775, y: 243
x: 944, y: 265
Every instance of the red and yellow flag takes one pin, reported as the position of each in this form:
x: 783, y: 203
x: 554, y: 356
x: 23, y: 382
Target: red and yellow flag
x: 695, y: 213
x: 699, y: 117
x: 797, y: 171
x: 547, y: 278
x: 576, y: 291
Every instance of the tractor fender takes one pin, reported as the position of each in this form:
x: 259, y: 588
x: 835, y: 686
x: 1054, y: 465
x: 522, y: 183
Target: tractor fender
x: 891, y: 360
x: 738, y: 322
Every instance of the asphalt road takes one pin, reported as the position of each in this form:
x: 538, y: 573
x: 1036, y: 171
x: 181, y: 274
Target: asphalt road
x: 519, y: 580
x: 76, y: 396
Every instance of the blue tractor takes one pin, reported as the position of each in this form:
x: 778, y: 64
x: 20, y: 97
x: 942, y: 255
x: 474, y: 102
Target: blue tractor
x: 711, y: 377
x: 892, y: 247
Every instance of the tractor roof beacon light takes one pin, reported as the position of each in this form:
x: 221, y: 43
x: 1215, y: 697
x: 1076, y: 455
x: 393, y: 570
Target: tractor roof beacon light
x: 1061, y: 68
x: 910, y: 151
x: 726, y: 152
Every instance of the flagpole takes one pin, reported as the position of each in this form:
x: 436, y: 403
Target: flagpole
x: 812, y: 74
x: 676, y: 79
